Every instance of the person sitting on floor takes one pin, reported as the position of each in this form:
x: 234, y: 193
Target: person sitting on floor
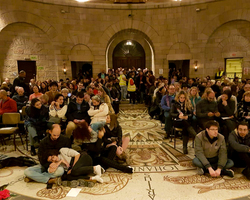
x: 39, y: 173
x: 211, y: 152
x: 77, y: 112
x: 239, y: 147
x: 98, y: 111
x: 36, y: 123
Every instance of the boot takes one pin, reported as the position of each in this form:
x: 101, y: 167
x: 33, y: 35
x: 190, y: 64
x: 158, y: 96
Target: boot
x: 191, y: 131
x: 185, y: 142
x: 36, y: 142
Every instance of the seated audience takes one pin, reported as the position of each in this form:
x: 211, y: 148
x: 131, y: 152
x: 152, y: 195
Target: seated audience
x: 165, y: 106
x: 226, y: 107
x: 36, y: 123
x: 53, y: 91
x: 20, y: 98
x: 80, y: 88
x: 77, y: 111
x: 57, y: 110
x: 182, y: 112
x: 239, y: 147
x: 36, y: 93
x: 7, y: 105
x: 98, y: 111
x: 66, y: 96
x: 39, y: 173
x: 44, y: 100
x: 44, y: 87
x: 106, y: 99
x: 211, y: 152
x: 207, y: 109
x: 243, y: 112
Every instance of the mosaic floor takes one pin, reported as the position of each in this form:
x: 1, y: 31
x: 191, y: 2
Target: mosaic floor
x: 160, y: 171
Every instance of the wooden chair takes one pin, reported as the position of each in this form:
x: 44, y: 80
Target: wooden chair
x: 10, y: 119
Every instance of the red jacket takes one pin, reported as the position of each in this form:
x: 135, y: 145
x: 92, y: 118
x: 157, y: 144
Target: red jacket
x: 8, y: 106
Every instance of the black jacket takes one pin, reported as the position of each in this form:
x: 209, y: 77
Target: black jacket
x: 20, y: 101
x: 176, y: 108
x: 226, y: 111
x: 116, y: 132
x: 47, y: 144
x: 73, y: 113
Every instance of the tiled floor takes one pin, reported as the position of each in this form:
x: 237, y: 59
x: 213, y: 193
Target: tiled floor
x: 160, y: 171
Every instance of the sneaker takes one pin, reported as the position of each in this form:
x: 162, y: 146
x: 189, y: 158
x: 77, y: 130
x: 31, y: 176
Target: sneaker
x: 200, y: 171
x: 97, y: 178
x: 228, y: 172
x: 99, y: 170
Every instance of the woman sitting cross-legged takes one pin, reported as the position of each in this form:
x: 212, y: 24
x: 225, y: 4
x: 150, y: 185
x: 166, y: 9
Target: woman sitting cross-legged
x: 98, y: 111
x: 78, y: 166
x: 36, y: 123
x: 181, y: 111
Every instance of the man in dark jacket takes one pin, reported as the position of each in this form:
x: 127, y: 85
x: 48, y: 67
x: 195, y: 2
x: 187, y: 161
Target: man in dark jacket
x: 207, y: 109
x: 77, y: 111
x: 239, y: 141
x: 20, y: 81
x: 39, y: 173
x: 20, y: 98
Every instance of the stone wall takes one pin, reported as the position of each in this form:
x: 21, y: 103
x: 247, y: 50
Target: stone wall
x: 58, y: 34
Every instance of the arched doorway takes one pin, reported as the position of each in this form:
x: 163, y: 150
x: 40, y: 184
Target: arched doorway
x: 128, y: 54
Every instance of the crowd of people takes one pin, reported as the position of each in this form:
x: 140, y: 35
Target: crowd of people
x: 84, y: 111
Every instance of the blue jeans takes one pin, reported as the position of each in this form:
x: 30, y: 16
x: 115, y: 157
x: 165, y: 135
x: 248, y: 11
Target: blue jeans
x: 38, y: 173
x: 123, y: 92
x: 213, y: 163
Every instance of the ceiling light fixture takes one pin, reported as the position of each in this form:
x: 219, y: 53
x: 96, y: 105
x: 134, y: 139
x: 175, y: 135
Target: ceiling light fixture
x: 82, y: 0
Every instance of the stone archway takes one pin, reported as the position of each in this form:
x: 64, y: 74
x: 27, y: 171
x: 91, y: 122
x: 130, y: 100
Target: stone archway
x: 227, y: 41
x: 131, y: 34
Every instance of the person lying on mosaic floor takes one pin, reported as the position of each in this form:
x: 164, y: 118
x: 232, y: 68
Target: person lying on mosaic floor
x: 182, y: 112
x: 76, y: 165
x: 36, y: 123
x: 98, y: 111
x: 211, y: 152
x: 239, y: 147
x: 39, y: 173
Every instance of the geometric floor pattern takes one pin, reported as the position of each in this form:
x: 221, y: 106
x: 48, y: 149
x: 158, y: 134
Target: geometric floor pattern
x: 160, y: 171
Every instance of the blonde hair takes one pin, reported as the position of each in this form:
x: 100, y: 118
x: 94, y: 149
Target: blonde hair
x: 194, y: 88
x: 245, y: 94
x: 206, y: 92
x: 187, y: 103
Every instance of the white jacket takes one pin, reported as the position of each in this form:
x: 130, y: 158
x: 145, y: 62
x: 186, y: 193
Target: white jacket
x: 58, y: 113
x: 100, y: 114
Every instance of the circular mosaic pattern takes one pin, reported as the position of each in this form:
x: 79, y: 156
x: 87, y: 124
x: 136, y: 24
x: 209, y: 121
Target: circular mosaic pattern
x: 138, y: 124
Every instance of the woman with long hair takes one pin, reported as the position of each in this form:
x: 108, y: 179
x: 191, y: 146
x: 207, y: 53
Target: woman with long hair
x: 44, y: 87
x: 36, y: 123
x: 243, y: 111
x: 182, y: 111
x: 105, y: 98
x: 57, y: 110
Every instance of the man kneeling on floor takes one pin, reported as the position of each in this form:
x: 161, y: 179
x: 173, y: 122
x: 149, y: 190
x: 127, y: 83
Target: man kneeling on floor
x: 239, y: 145
x: 211, y: 152
x: 39, y: 173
